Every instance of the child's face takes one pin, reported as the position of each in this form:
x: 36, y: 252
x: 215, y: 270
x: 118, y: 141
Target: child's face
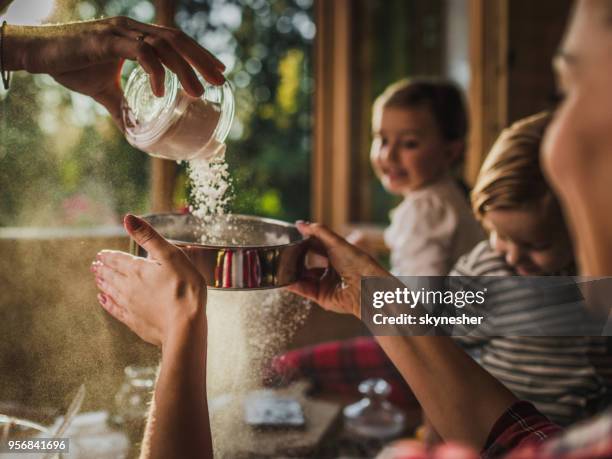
x: 408, y: 151
x: 534, y: 240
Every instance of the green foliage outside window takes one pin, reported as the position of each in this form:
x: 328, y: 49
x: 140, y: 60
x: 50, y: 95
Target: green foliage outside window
x: 62, y: 162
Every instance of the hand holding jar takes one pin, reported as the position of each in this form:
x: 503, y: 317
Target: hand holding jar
x: 177, y: 126
x: 87, y: 57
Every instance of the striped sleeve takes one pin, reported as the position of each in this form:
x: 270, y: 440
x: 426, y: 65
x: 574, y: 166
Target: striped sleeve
x: 567, y: 378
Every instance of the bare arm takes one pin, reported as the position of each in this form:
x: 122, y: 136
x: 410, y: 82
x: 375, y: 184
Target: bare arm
x: 163, y: 300
x: 460, y: 398
x: 178, y: 423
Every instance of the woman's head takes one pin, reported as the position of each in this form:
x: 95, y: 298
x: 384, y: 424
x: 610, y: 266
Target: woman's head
x: 578, y: 148
x: 419, y: 128
x: 516, y: 205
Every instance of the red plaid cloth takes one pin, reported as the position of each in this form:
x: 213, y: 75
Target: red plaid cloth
x: 527, y: 431
x: 521, y: 426
x: 339, y: 367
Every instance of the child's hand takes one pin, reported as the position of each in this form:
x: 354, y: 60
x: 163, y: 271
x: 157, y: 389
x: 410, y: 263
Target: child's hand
x: 155, y: 297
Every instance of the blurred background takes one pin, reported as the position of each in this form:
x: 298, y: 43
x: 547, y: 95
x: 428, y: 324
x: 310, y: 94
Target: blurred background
x: 63, y: 162
x: 305, y: 73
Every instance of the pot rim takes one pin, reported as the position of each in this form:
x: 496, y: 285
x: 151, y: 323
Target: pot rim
x: 272, y: 221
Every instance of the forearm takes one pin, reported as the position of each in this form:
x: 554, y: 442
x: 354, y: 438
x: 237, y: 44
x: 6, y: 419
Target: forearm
x: 460, y: 398
x: 178, y: 424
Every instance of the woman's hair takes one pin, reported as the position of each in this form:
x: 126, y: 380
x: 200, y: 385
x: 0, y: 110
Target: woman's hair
x: 511, y: 176
x: 443, y: 98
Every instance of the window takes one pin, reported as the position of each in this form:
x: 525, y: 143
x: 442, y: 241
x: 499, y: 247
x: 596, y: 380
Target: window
x: 63, y: 163
x: 267, y: 48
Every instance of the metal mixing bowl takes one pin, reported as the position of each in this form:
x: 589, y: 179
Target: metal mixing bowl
x: 237, y: 252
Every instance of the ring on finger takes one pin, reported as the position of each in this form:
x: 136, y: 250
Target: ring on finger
x: 141, y: 37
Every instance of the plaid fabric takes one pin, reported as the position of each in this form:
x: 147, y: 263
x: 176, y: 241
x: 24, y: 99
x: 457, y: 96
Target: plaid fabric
x: 339, y: 367
x: 591, y: 439
x: 521, y: 426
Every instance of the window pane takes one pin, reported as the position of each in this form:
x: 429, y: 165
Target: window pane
x: 266, y: 47
x: 393, y: 39
x: 62, y: 160
x: 63, y: 163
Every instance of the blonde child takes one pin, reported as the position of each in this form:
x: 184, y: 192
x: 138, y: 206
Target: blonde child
x: 567, y: 378
x: 419, y: 128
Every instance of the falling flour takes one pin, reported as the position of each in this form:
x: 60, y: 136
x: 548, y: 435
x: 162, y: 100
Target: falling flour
x: 246, y: 329
x: 210, y: 186
x: 210, y: 194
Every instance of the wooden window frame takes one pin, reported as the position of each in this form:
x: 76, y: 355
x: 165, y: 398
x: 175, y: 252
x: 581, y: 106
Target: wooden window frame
x: 332, y: 177
x: 163, y: 171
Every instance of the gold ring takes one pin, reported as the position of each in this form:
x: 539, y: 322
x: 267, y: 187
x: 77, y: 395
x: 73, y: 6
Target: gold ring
x: 141, y: 37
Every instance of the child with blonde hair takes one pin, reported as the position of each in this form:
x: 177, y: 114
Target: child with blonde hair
x: 569, y: 377
x: 419, y: 128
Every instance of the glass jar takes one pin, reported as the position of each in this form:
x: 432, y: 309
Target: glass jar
x: 374, y: 417
x: 176, y: 126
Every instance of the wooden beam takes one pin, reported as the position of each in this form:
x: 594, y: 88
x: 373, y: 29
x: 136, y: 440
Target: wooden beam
x: 332, y: 140
x: 163, y: 172
x: 488, y: 92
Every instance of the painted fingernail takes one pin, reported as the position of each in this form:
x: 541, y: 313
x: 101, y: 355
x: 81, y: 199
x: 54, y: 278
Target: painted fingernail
x: 132, y: 222
x: 220, y: 65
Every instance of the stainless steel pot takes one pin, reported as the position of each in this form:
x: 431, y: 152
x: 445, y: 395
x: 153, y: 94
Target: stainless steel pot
x: 239, y: 252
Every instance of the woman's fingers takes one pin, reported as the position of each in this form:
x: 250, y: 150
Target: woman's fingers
x: 176, y: 63
x: 201, y: 60
x: 147, y: 238
x: 208, y: 65
x: 308, y: 288
x: 150, y: 62
x: 109, y: 304
x: 316, y: 246
x: 329, y: 239
x: 128, y: 47
x: 181, y: 45
x: 112, y: 289
x: 108, y: 274
x: 121, y: 262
